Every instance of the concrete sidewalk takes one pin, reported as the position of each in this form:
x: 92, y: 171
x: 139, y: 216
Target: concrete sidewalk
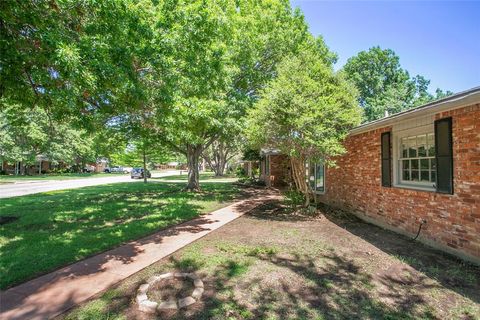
x: 54, y: 293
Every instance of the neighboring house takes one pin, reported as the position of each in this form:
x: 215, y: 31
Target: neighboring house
x: 101, y: 165
x: 420, y: 165
x: 170, y: 165
x: 44, y: 165
x: 274, y: 168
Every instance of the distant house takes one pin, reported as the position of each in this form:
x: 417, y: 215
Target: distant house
x: 274, y: 168
x: 44, y: 165
x: 420, y: 165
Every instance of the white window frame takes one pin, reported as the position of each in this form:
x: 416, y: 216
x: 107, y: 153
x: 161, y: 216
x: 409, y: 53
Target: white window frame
x: 397, y: 181
x: 315, y: 176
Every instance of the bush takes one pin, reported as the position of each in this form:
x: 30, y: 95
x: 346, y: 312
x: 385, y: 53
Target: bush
x: 256, y: 172
x: 59, y: 170
x: 294, y: 198
x: 241, y: 173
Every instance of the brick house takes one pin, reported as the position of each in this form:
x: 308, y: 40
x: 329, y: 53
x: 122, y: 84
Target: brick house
x: 420, y: 165
x: 274, y: 168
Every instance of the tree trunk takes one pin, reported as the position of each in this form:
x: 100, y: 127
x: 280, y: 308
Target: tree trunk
x: 220, y: 159
x: 300, y: 178
x: 144, y: 166
x: 193, y: 156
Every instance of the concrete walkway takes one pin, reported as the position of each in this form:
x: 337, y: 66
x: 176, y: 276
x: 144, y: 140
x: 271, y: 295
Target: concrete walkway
x: 54, y: 293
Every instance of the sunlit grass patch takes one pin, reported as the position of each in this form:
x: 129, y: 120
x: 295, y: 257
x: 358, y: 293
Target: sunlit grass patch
x: 60, y: 227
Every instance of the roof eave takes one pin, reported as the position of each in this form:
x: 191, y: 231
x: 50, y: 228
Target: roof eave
x: 456, y: 101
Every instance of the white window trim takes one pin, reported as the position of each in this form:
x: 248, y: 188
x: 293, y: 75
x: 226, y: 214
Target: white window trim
x: 397, y: 135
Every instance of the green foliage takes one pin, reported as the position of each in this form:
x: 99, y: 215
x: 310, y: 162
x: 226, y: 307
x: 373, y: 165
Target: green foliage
x: 60, y: 227
x: 384, y: 86
x: 306, y: 111
x: 294, y: 198
x: 75, y: 59
x: 251, y: 155
x: 26, y: 135
x: 240, y: 172
x: 132, y: 155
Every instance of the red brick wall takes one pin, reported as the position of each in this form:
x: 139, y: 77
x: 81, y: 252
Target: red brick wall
x: 453, y: 221
x: 279, y: 171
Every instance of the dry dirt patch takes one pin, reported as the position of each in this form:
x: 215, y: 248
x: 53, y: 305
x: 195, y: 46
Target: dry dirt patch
x: 276, y: 265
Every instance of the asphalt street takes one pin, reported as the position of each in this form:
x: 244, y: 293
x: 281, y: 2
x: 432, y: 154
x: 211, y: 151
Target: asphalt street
x: 21, y: 188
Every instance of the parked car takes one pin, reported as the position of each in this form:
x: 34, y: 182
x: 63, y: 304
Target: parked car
x: 88, y: 169
x: 138, y: 173
x: 118, y: 169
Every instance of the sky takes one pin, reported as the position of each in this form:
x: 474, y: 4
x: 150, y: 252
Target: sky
x: 437, y: 39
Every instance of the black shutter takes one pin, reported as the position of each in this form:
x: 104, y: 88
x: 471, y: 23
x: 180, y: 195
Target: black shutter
x: 386, y: 160
x: 444, y: 155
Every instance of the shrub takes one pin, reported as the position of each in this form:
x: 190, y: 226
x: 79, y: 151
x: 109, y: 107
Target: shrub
x: 241, y: 173
x: 294, y: 198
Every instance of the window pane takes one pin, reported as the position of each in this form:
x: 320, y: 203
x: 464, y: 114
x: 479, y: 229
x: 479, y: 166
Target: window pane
x: 412, y: 152
x: 414, y: 164
x: 320, y: 180
x: 414, y: 175
x: 433, y: 175
x: 424, y: 163
x: 422, y: 151
x: 311, y: 175
x: 424, y: 175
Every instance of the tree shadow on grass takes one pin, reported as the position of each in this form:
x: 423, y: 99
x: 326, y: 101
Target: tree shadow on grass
x: 125, y: 254
x: 57, y: 229
x: 338, y: 290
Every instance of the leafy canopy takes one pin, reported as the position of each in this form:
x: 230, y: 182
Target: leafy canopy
x: 384, y: 86
x: 306, y: 111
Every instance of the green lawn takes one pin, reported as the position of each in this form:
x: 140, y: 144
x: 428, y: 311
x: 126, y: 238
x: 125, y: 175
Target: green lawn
x: 204, y: 177
x: 60, y: 227
x: 63, y: 176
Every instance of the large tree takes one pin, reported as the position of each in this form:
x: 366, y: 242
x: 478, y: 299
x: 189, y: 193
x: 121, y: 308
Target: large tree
x: 29, y: 135
x: 200, y: 36
x: 87, y: 64
x: 71, y: 58
x: 305, y: 112
x: 265, y: 33
x: 384, y: 86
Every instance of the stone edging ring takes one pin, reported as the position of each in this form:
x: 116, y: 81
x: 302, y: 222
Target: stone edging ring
x: 148, y: 306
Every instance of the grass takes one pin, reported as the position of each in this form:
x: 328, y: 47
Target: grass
x: 269, y: 265
x: 46, y: 177
x: 60, y: 227
x: 204, y: 177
